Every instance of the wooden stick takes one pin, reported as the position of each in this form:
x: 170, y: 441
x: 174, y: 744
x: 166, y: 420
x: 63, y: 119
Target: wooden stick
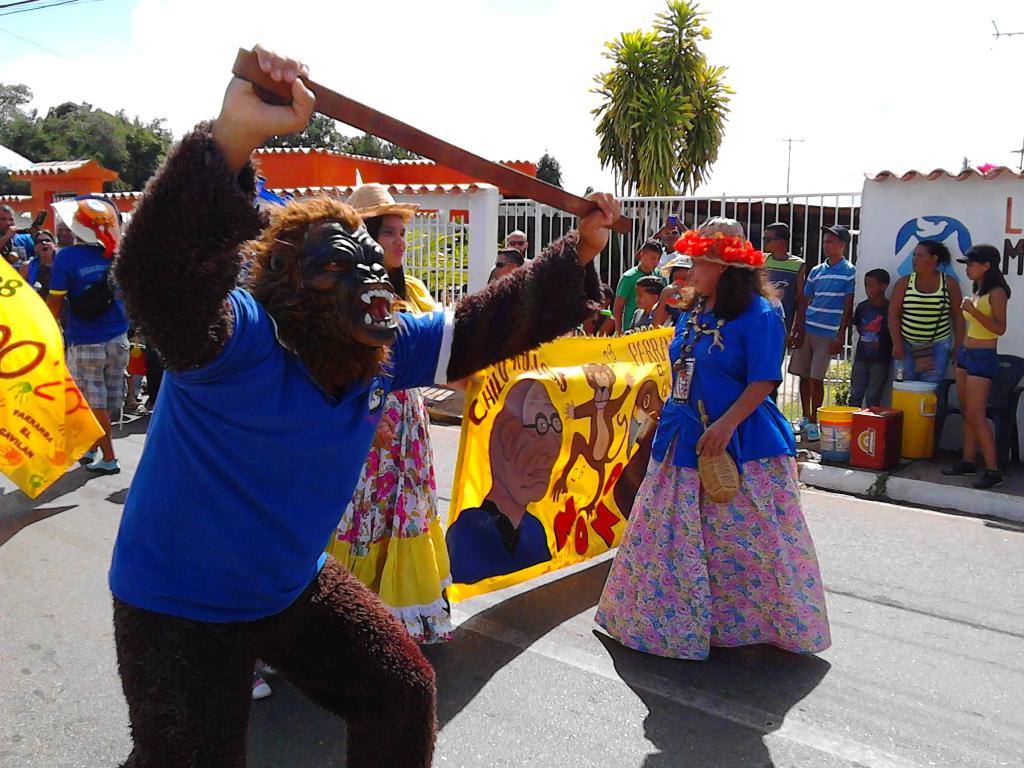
x: 364, y: 118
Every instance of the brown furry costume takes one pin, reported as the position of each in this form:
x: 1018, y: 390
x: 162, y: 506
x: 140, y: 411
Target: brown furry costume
x: 187, y: 682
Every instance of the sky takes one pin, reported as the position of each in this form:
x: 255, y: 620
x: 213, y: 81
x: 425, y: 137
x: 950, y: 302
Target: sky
x: 868, y: 85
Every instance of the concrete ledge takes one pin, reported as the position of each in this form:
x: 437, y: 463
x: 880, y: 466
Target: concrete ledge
x: 921, y: 493
x: 969, y: 500
x: 841, y: 479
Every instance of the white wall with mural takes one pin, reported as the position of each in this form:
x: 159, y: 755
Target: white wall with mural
x: 960, y: 211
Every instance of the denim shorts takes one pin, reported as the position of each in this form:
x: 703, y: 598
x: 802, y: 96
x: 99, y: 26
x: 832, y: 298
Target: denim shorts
x: 983, y: 363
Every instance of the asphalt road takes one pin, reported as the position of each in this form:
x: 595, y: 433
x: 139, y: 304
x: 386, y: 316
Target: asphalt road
x: 926, y: 669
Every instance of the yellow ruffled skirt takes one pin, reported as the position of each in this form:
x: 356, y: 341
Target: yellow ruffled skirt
x: 390, y: 535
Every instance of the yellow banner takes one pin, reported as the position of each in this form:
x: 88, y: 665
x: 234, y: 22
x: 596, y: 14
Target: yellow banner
x: 45, y: 421
x: 554, y: 445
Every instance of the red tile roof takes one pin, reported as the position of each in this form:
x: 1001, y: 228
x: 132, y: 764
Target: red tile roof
x: 942, y: 173
x: 53, y: 168
x: 395, y: 189
x: 364, y: 158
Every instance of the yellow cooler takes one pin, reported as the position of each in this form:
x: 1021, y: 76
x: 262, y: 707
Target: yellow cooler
x: 918, y: 402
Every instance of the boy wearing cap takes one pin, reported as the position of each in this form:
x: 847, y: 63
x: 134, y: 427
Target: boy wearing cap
x: 96, y: 327
x: 819, y: 329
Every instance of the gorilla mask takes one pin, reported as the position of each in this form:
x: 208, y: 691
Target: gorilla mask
x: 350, y: 264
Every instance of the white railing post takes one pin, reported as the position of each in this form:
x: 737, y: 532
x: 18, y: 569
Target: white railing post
x: 483, y: 234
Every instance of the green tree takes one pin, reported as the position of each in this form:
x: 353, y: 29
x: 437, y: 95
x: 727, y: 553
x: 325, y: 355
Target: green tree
x: 12, y: 99
x: 322, y: 133
x: 549, y: 170
x: 664, y: 107
x: 78, y: 131
x: 371, y: 146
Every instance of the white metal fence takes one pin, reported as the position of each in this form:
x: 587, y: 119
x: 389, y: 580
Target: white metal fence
x: 804, y: 213
x: 437, y: 252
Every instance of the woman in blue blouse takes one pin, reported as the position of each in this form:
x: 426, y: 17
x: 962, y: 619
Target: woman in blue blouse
x: 691, y: 573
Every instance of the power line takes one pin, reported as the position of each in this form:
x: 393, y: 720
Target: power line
x: 41, y: 7
x: 20, y: 2
x: 37, y: 45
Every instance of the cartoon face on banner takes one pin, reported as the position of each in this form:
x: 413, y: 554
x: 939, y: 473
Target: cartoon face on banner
x: 554, y: 448
x: 943, y: 229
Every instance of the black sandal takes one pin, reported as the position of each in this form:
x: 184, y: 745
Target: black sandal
x: 989, y: 479
x: 961, y: 468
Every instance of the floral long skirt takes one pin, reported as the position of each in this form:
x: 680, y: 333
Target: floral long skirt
x: 691, y: 573
x: 390, y: 535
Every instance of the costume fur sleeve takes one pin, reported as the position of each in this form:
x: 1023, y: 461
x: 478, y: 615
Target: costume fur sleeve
x: 533, y: 304
x: 180, y: 256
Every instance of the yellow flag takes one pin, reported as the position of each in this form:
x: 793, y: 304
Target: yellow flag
x: 45, y: 421
x: 554, y: 445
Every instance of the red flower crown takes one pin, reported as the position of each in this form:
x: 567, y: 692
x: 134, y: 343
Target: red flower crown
x: 724, y: 249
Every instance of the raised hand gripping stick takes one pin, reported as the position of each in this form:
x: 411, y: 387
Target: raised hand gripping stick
x: 364, y: 118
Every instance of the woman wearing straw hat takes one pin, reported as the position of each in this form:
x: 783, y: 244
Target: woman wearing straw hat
x: 390, y: 534
x: 712, y: 555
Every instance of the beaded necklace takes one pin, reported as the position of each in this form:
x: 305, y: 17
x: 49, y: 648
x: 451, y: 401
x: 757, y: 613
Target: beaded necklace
x: 695, y: 329
x: 683, y: 367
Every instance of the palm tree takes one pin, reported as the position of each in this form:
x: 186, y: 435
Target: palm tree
x: 663, y: 107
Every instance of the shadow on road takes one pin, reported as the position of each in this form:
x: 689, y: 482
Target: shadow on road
x: 468, y: 663
x: 288, y: 730
x: 711, y: 714
x: 18, y: 511
x: 715, y: 713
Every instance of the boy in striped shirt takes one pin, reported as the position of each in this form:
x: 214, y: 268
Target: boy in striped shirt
x: 822, y: 318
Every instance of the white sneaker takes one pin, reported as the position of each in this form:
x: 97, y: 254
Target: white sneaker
x: 260, y: 689
x: 801, y: 425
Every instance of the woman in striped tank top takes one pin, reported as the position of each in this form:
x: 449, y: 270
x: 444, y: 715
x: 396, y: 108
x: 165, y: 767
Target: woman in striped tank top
x: 924, y: 316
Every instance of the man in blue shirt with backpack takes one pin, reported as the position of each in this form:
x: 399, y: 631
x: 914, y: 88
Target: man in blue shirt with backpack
x: 95, y: 325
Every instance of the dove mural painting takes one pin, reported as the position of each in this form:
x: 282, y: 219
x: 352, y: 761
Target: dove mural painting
x: 942, y: 229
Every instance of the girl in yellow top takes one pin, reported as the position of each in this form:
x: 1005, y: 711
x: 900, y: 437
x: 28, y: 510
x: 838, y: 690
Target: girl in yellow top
x: 977, y: 363
x: 390, y: 534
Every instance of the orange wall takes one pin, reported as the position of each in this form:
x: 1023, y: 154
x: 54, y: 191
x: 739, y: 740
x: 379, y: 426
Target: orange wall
x: 316, y: 169
x: 281, y: 169
x: 45, y: 187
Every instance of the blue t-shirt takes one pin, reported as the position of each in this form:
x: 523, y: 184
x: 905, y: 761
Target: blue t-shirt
x: 75, y: 268
x: 753, y: 351
x: 826, y: 289
x: 477, y: 549
x: 247, y: 468
x: 872, y: 323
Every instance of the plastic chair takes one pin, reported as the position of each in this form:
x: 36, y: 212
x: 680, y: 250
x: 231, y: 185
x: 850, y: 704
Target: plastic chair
x: 1001, y: 408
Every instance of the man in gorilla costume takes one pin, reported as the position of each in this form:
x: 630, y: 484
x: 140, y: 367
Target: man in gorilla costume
x: 272, y: 401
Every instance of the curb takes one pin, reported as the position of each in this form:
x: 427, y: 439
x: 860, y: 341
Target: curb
x: 437, y: 416
x: 886, y: 487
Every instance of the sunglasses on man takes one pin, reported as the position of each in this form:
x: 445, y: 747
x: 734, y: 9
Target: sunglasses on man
x: 516, y: 243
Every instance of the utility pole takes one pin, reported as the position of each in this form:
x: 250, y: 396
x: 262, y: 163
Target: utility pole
x: 789, y: 157
x: 997, y: 34
x: 1020, y: 152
